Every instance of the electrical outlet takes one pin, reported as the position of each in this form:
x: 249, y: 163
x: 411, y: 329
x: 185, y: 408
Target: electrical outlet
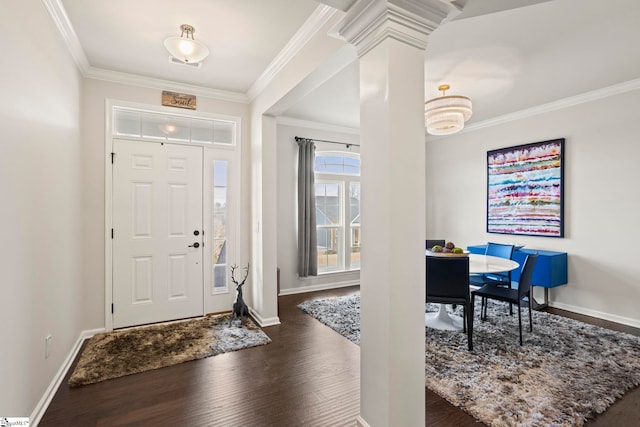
x: 47, y: 345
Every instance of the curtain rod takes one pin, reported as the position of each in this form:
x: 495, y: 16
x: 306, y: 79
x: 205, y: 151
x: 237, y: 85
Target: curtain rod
x: 348, y: 144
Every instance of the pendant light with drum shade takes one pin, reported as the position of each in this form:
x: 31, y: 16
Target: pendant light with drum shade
x: 185, y: 48
x: 446, y: 115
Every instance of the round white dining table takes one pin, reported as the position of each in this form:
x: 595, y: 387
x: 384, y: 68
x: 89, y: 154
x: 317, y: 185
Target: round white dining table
x: 478, y: 264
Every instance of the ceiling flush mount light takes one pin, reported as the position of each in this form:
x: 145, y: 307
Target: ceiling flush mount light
x: 446, y: 114
x: 185, y: 48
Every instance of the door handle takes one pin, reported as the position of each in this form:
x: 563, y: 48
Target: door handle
x: 195, y: 245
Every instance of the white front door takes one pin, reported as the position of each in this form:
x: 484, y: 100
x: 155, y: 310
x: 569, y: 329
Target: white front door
x: 158, y: 232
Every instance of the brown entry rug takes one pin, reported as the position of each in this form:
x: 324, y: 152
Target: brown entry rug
x: 133, y: 350
x: 566, y: 372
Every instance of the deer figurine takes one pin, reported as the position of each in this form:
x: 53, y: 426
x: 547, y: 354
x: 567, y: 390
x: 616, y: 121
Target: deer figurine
x: 240, y: 309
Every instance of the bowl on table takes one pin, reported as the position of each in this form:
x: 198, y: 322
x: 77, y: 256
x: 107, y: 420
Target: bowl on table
x: 446, y: 254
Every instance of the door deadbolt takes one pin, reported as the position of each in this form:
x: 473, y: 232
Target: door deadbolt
x: 195, y: 245
x: 196, y: 232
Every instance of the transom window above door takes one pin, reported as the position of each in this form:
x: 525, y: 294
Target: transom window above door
x: 157, y: 126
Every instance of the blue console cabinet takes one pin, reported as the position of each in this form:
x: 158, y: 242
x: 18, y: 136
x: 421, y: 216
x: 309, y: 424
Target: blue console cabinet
x: 550, y: 269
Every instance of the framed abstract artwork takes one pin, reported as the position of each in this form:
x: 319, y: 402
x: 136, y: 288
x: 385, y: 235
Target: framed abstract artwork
x: 525, y: 189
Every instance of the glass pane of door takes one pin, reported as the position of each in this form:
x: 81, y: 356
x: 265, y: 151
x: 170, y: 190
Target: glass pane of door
x: 329, y: 226
x: 329, y: 244
x: 354, y: 224
x: 220, y: 232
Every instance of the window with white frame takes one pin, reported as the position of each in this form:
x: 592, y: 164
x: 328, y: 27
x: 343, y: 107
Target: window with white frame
x: 133, y: 123
x: 337, y: 188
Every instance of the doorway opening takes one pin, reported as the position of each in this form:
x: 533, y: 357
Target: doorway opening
x: 172, y: 205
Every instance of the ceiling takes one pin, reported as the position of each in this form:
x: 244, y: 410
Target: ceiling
x: 244, y: 36
x: 507, y: 55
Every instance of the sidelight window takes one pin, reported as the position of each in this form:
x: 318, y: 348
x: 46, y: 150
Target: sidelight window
x: 220, y: 234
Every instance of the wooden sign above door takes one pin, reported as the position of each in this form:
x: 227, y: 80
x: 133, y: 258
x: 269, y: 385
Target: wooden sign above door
x: 180, y: 100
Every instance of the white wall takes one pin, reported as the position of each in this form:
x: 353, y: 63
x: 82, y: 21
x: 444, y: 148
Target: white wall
x: 41, y: 196
x: 287, y: 158
x: 602, y: 199
x: 289, y: 85
x: 95, y: 94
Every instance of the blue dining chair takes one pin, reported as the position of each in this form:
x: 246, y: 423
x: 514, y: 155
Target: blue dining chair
x: 499, y: 250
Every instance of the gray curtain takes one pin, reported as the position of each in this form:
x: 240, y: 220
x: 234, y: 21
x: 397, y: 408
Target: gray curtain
x: 307, y: 238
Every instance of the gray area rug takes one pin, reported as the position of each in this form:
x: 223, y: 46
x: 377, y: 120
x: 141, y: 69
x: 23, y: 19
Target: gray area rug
x: 133, y: 350
x: 566, y: 372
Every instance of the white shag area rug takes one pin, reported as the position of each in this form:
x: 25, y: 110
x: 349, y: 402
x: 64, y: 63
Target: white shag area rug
x: 566, y: 371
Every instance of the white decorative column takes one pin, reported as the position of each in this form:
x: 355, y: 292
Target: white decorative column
x: 391, y: 37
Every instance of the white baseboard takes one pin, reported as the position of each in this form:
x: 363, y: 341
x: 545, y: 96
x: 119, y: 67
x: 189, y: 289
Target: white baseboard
x: 360, y: 422
x: 320, y: 287
x: 270, y: 321
x: 594, y: 313
x: 44, y: 402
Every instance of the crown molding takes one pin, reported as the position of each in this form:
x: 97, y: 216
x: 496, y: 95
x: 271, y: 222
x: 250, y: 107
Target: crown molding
x: 317, y: 20
x: 560, y: 104
x: 432, y: 10
x: 368, y: 22
x: 290, y: 121
x: 153, y: 83
x: 61, y: 20
x: 606, y: 92
x: 320, y: 16
x: 342, y: 5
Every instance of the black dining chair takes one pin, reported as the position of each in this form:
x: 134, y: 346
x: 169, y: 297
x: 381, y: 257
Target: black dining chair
x: 432, y: 243
x: 448, y: 283
x: 510, y: 295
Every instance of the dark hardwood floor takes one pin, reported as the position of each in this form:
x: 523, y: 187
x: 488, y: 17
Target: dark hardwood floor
x: 308, y: 376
